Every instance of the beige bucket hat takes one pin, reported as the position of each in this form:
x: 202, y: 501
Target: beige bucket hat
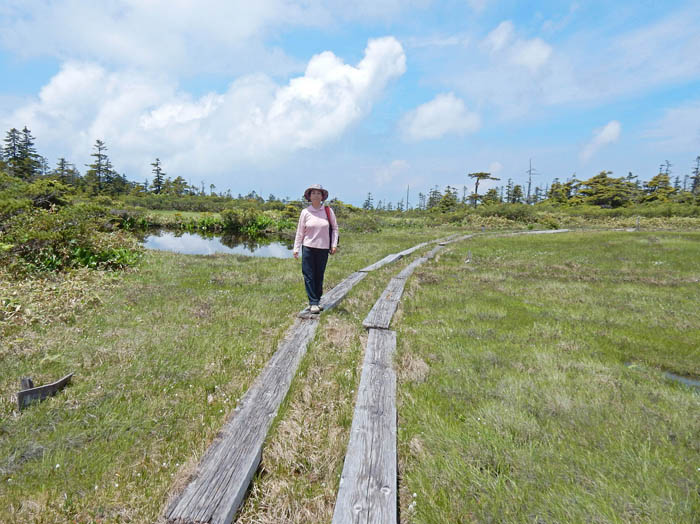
x: 324, y: 193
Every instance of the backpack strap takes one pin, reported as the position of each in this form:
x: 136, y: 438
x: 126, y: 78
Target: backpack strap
x: 330, y: 227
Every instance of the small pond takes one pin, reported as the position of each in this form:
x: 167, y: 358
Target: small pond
x: 206, y: 244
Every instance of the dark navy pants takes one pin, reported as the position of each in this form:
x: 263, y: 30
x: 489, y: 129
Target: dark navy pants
x: 313, y: 266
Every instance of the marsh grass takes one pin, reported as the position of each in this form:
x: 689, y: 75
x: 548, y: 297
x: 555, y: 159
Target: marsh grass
x: 161, y: 355
x: 515, y: 399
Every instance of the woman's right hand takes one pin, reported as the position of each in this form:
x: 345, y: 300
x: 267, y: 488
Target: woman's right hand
x: 296, y: 254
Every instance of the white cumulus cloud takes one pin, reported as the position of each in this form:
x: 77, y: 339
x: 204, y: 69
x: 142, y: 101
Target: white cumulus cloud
x: 445, y: 114
x: 608, y: 134
x: 255, y: 121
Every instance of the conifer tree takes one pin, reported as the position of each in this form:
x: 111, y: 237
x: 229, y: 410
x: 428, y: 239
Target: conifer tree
x: 479, y: 177
x: 158, y: 177
x: 11, y: 151
x: 30, y: 163
x: 695, y: 185
x: 434, y: 197
x: 94, y: 176
x: 492, y: 196
x: 66, y: 172
x: 517, y: 195
x: 509, y: 191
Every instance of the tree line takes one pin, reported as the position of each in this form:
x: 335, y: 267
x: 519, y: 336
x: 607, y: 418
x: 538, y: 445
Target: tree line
x: 19, y: 158
x: 603, y: 190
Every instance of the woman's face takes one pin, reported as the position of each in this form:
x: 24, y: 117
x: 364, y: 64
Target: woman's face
x: 315, y: 196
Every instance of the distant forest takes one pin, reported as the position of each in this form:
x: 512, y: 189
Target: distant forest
x: 19, y: 158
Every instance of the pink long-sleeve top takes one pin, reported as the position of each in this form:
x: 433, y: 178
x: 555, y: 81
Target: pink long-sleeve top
x: 312, y: 230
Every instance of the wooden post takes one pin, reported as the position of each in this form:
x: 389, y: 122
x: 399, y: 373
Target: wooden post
x: 32, y: 394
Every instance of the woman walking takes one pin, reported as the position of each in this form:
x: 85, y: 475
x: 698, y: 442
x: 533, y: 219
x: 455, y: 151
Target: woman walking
x: 317, y: 236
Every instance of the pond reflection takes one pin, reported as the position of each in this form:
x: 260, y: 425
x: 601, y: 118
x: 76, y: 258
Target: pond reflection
x: 205, y: 244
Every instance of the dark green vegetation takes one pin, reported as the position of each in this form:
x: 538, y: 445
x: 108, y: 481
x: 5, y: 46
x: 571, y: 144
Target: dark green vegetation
x: 517, y: 400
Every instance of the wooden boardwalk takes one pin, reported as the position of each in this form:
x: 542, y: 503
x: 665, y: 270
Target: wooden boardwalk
x: 216, y: 490
x: 368, y: 484
x: 226, y: 469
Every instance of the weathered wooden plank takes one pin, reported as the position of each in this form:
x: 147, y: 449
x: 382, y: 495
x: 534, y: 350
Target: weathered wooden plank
x: 430, y: 254
x: 453, y: 240
x: 383, y: 262
x: 39, y: 393
x: 335, y: 295
x: 408, y: 270
x: 410, y: 250
x: 385, y: 307
x: 543, y: 232
x: 368, y: 486
x: 219, y: 485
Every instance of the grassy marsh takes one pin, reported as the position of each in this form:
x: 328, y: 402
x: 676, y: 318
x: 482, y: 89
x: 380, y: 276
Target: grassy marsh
x: 516, y: 402
x: 161, y: 355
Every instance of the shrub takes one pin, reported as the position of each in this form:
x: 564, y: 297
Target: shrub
x: 362, y: 223
x: 58, y: 239
x: 516, y: 212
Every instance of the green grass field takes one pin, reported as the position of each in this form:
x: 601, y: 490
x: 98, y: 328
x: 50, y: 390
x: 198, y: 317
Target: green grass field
x: 516, y: 398
x: 160, y: 357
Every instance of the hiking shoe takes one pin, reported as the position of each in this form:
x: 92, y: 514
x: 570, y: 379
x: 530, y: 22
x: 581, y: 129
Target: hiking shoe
x: 314, y: 310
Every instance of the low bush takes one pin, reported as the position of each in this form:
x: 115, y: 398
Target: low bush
x: 361, y: 223
x: 61, y: 238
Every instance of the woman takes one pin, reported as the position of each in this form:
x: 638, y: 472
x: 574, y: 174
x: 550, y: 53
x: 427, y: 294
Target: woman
x: 316, y: 238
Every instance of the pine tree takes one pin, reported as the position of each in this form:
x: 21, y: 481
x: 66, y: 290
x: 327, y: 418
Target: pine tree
x: 30, y: 163
x: 66, y: 172
x: 434, y: 197
x: 509, y: 191
x: 94, y: 176
x: 11, y: 152
x: 658, y: 188
x: 517, y: 195
x: 491, y: 197
x: 479, y: 177
x: 695, y: 186
x: 368, y: 204
x: 158, y: 177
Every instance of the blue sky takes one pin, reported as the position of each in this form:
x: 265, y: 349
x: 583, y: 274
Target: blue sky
x: 368, y: 96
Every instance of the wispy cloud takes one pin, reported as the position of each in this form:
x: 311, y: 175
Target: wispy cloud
x: 178, y: 37
x: 387, y: 174
x: 515, y: 73
x: 678, y: 129
x: 445, y: 114
x: 608, y: 134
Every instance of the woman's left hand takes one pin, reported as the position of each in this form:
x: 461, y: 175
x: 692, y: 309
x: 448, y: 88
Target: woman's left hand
x: 333, y: 250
